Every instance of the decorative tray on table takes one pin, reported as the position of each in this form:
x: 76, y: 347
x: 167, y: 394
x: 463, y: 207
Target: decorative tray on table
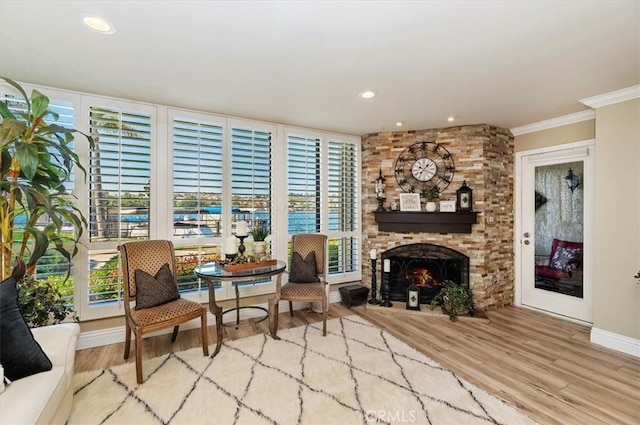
x: 230, y: 267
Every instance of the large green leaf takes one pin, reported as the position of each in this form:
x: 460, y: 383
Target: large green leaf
x: 39, y: 104
x: 10, y: 130
x: 5, y: 112
x: 27, y: 154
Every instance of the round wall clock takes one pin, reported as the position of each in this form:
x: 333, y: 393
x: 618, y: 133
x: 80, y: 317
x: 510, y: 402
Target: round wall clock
x: 424, y: 165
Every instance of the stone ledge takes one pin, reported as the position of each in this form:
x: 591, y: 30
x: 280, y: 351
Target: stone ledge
x: 399, y: 308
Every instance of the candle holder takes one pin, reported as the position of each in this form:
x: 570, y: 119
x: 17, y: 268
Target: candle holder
x: 241, y: 247
x: 374, y: 288
x: 229, y: 257
x: 385, y: 290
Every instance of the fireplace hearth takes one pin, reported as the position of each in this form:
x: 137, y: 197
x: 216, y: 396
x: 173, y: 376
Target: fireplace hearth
x: 425, y: 265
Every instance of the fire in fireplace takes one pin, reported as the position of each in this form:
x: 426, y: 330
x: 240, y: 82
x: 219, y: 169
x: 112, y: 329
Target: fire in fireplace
x: 425, y: 265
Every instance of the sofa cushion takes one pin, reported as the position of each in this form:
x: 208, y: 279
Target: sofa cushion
x: 20, y: 354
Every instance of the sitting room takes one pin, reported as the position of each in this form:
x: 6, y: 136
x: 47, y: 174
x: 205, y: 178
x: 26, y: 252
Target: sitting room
x: 320, y: 212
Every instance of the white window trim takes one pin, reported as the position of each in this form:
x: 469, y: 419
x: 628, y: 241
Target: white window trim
x: 162, y: 200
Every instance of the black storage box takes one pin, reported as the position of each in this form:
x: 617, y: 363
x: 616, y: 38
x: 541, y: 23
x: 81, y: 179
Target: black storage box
x: 354, y: 295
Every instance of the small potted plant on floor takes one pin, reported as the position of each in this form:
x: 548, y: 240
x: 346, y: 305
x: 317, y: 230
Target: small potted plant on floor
x: 431, y: 195
x: 455, y: 299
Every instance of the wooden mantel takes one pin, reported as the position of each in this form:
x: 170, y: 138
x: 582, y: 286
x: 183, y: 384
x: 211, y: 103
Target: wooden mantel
x: 430, y: 222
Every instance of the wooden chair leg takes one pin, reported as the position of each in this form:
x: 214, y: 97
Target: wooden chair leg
x: 291, y: 308
x: 174, y: 335
x: 127, y: 341
x: 273, y: 317
x: 205, y: 340
x: 139, y: 357
x: 325, y: 309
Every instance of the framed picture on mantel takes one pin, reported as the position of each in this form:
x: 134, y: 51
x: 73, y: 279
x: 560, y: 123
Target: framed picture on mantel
x: 409, y: 202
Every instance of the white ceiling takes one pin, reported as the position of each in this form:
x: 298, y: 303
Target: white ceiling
x: 304, y: 63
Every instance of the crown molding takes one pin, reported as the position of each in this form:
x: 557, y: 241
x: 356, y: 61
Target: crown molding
x: 554, y: 122
x: 610, y: 98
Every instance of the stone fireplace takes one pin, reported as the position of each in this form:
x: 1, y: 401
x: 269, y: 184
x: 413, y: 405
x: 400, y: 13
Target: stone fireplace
x: 484, y: 157
x: 425, y: 265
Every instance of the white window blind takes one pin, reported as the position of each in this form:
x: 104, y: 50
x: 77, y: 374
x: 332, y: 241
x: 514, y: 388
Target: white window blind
x: 251, y: 175
x: 343, y: 195
x: 197, y: 178
x: 251, y: 180
x: 119, y: 193
x: 303, y: 184
x: 323, y: 194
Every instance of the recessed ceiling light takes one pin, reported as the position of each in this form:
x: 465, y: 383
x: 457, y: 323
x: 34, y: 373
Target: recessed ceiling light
x: 367, y: 94
x: 97, y: 23
x: 451, y: 119
x: 399, y: 123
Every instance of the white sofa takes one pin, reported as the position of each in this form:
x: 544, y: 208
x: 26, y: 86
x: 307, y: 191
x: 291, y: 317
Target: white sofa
x: 44, y: 398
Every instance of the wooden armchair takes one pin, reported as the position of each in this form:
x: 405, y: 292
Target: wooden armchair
x: 148, y: 283
x: 308, y: 291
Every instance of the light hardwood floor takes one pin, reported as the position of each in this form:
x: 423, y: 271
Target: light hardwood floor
x: 543, y: 365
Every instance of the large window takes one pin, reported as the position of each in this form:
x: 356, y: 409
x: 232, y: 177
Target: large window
x: 323, y: 186
x: 52, y: 266
x: 165, y: 173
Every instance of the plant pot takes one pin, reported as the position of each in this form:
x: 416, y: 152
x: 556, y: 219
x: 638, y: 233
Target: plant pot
x: 430, y: 206
x: 259, y: 247
x: 464, y: 312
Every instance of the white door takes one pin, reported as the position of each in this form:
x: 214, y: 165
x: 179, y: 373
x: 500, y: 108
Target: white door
x: 554, y: 230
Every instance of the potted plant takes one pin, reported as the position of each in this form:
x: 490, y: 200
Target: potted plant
x: 37, y: 210
x: 431, y: 195
x: 455, y: 299
x: 259, y: 234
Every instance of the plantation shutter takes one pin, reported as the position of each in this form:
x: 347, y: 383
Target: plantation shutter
x: 303, y: 184
x: 343, y: 197
x: 197, y: 175
x: 251, y: 175
x: 120, y: 192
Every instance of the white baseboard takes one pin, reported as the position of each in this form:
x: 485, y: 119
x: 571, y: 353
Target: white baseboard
x: 116, y: 335
x: 616, y: 342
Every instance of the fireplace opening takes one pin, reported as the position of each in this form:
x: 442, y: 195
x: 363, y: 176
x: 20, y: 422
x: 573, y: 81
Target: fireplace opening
x: 425, y: 265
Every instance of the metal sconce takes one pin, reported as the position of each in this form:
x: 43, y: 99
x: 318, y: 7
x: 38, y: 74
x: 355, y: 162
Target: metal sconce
x: 572, y: 180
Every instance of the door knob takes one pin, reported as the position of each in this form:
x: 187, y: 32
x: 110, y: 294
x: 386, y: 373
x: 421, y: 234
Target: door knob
x: 526, y: 234
x: 526, y: 242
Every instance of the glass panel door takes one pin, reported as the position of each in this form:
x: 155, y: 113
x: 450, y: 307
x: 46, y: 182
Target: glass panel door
x: 555, y: 191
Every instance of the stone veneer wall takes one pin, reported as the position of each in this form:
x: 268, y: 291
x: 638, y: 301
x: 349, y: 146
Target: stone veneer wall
x: 483, y: 156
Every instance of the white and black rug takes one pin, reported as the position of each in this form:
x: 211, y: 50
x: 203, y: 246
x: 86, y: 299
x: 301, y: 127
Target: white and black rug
x: 357, y: 374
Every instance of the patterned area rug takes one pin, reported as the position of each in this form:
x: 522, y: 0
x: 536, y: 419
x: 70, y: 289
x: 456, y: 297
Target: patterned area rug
x: 357, y: 374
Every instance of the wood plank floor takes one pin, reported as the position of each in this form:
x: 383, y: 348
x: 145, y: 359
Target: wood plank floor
x: 543, y: 365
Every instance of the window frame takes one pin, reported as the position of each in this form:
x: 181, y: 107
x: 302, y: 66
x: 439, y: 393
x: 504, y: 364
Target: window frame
x: 161, y: 205
x: 324, y: 139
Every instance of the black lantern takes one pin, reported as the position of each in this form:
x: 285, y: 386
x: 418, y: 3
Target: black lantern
x: 413, y: 297
x: 380, y: 192
x: 572, y: 180
x: 464, y: 198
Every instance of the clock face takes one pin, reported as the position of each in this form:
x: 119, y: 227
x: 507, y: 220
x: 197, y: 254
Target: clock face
x: 424, y: 169
x: 424, y: 165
